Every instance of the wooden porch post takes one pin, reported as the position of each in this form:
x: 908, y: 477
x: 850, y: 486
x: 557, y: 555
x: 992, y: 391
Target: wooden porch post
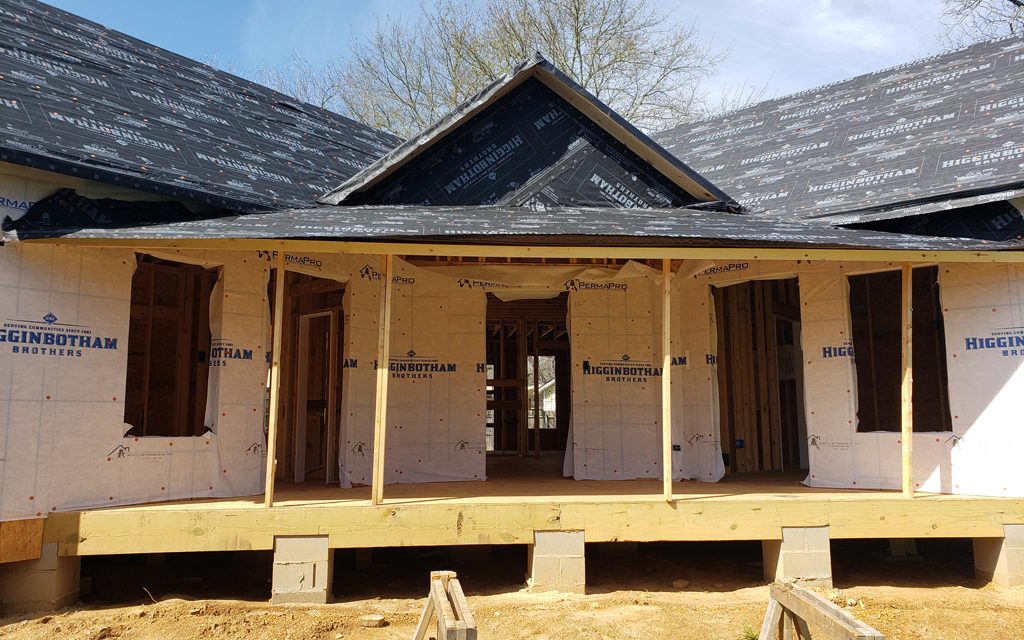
x: 275, y: 379
x: 666, y: 378
x: 907, y: 387
x: 383, y: 375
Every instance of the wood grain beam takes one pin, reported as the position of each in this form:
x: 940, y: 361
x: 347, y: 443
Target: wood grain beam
x: 907, y: 385
x: 280, y: 283
x: 383, y: 376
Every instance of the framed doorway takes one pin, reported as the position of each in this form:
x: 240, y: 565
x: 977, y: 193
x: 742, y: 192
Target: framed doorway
x: 312, y: 363
x: 317, y: 391
x: 528, y: 377
x: 760, y: 376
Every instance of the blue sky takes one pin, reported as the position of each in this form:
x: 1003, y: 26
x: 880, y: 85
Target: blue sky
x: 788, y: 45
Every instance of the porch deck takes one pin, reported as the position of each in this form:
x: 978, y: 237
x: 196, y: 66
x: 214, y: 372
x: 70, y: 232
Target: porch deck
x: 507, y: 510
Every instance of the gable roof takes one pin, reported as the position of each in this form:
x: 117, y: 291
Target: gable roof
x: 121, y: 111
x: 83, y: 100
x: 532, y: 137
x: 946, y: 127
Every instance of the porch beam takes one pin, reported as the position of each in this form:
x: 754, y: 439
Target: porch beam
x: 893, y: 256
x: 666, y: 378
x: 754, y: 511
x: 383, y: 375
x: 275, y: 379
x: 907, y: 386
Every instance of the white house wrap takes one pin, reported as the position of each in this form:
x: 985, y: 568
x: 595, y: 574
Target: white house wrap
x: 63, y: 355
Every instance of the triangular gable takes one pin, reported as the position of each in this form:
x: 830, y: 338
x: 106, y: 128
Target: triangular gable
x: 533, y: 138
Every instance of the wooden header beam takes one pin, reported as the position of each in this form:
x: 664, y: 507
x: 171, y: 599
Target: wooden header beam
x: 383, y: 375
x: 535, y: 251
x: 275, y: 379
x: 907, y: 385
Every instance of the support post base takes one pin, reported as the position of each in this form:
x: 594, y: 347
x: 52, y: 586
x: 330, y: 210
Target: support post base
x: 557, y: 562
x: 803, y: 555
x: 1001, y: 560
x: 303, y: 570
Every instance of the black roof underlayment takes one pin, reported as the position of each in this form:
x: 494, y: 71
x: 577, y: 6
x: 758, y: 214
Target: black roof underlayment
x: 932, y: 148
x: 80, y: 99
x: 471, y: 224
x: 533, y: 138
x: 922, y: 133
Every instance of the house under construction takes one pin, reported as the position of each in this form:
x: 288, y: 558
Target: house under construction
x: 232, y: 321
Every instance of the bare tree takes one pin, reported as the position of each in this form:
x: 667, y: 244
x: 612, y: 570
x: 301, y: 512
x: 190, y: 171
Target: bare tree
x: 406, y: 74
x: 298, y: 78
x: 969, y: 21
x: 733, y: 98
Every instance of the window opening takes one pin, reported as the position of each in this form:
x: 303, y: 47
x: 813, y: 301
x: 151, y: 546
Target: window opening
x: 875, y: 311
x: 168, y: 348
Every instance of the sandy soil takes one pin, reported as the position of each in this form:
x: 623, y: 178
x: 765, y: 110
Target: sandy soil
x: 631, y: 597
x: 948, y: 613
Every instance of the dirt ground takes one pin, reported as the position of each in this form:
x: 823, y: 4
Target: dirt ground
x: 630, y: 596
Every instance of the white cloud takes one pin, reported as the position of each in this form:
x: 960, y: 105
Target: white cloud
x: 790, y: 45
x: 796, y: 44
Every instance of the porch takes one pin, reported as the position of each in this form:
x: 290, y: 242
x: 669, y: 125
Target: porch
x: 509, y: 509
x: 554, y: 517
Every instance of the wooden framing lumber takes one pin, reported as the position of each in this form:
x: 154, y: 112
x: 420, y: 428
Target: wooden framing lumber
x: 742, y: 375
x: 447, y: 623
x: 147, y: 356
x: 184, y: 356
x: 666, y: 378
x: 537, y: 404
x: 242, y: 524
x: 333, y: 389
x: 773, y: 291
x: 726, y: 426
x: 894, y: 256
x: 446, y: 599
x: 286, y: 407
x: 772, y: 624
x: 423, y: 625
x: 762, y: 363
x: 461, y: 606
x: 300, y: 395
x: 522, y: 425
x: 808, y: 609
x: 907, y: 386
x: 275, y: 379
x: 383, y: 376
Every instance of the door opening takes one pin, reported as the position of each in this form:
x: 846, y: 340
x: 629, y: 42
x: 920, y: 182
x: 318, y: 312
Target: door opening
x: 528, y: 382
x: 760, y: 376
x: 316, y: 411
x: 312, y: 366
